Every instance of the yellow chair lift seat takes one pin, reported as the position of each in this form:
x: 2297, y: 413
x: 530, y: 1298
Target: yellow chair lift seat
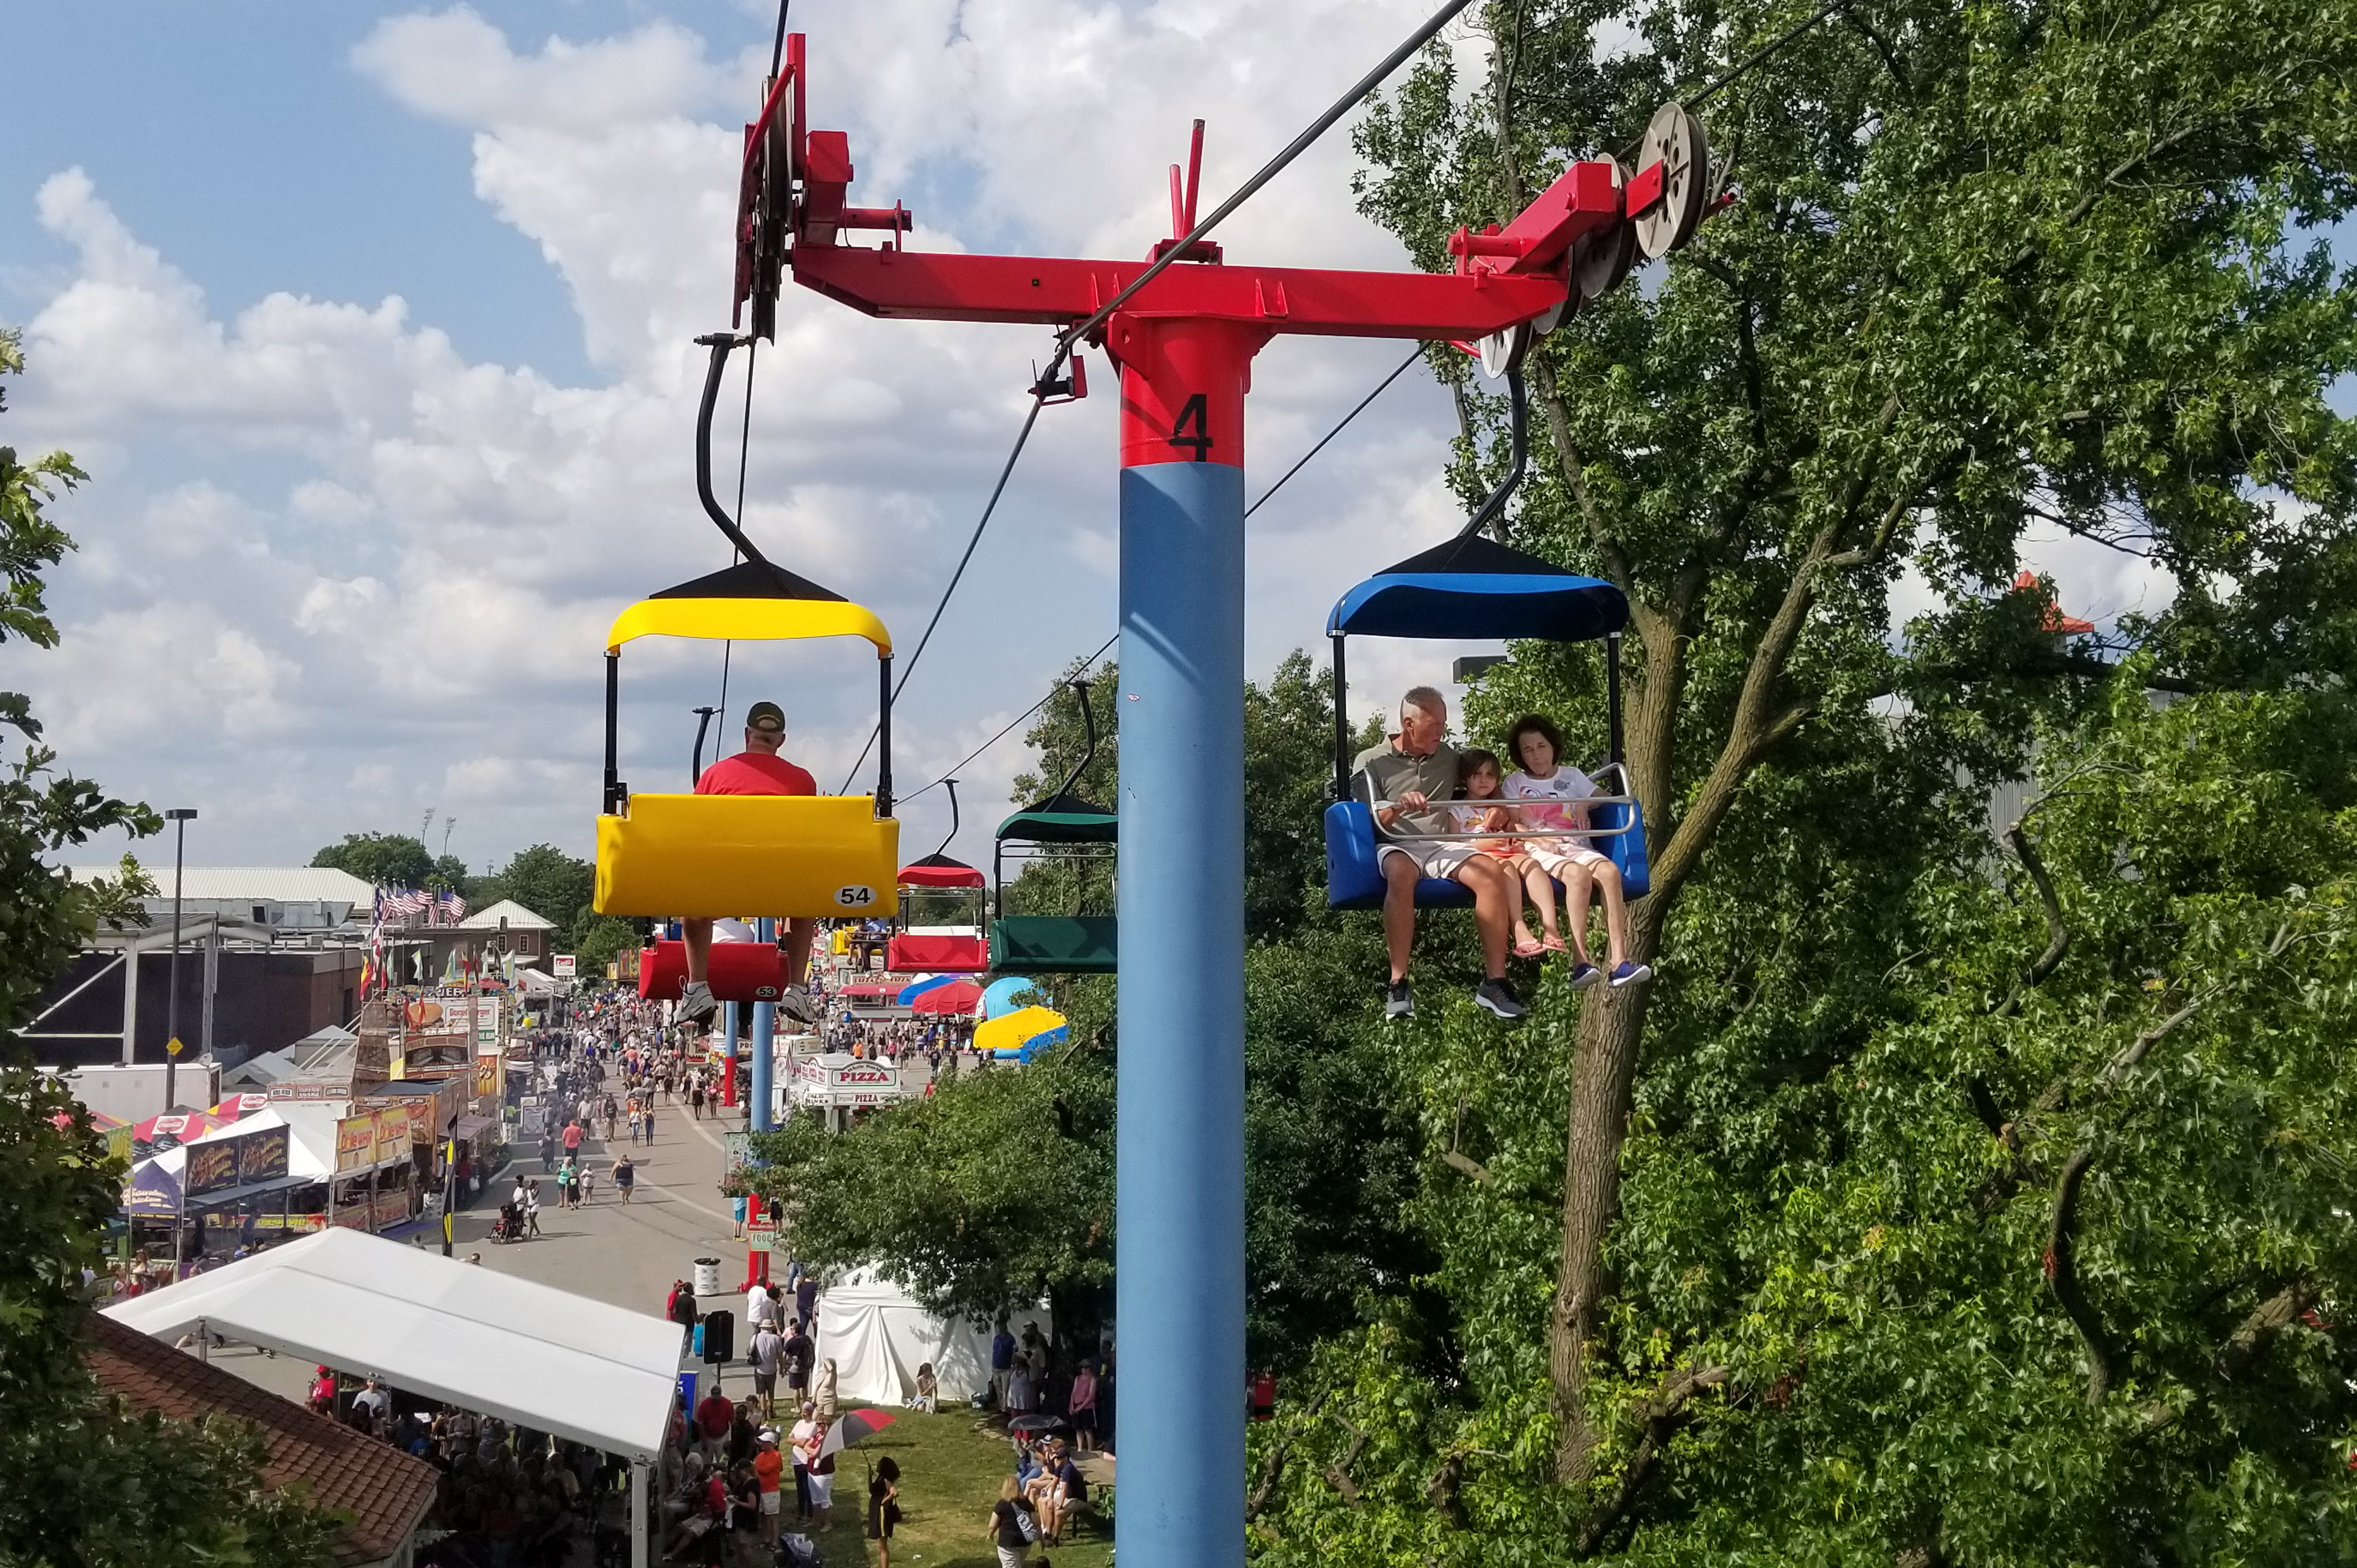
x: 709, y: 856
x: 747, y: 854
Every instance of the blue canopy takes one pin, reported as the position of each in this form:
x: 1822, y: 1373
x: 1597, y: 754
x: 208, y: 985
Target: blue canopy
x: 917, y: 988
x: 1001, y: 997
x: 1476, y: 587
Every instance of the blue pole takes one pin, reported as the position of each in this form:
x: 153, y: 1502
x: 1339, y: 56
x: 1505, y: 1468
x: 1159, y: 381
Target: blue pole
x: 728, y: 1036
x: 765, y: 1026
x: 1180, y: 1291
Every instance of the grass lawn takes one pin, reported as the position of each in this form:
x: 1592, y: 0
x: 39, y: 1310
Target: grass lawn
x: 951, y: 1465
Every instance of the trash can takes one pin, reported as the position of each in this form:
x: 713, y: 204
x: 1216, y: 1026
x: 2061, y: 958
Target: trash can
x: 707, y: 1276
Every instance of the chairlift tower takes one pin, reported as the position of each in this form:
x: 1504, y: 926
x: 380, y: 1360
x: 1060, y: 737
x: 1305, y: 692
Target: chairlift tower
x: 1184, y: 344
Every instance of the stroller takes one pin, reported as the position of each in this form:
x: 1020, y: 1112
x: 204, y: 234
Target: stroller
x: 508, y: 1226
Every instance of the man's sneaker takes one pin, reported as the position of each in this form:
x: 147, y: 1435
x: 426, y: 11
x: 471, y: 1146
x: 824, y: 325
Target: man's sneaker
x: 1496, y: 996
x: 1632, y: 973
x: 695, y: 1004
x: 795, y: 1002
x: 1584, y: 975
x: 1399, y: 1001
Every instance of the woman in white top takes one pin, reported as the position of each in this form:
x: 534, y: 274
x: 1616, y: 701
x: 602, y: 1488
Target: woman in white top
x: 1537, y: 745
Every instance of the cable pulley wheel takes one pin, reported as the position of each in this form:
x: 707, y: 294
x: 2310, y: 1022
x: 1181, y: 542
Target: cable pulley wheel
x: 1602, y: 257
x: 1501, y: 351
x: 1674, y: 139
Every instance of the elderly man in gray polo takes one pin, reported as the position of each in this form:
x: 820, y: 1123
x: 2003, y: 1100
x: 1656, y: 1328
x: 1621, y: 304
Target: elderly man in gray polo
x: 1412, y: 771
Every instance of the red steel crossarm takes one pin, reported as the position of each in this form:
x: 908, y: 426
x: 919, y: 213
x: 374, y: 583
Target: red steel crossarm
x: 1056, y: 292
x: 1583, y: 198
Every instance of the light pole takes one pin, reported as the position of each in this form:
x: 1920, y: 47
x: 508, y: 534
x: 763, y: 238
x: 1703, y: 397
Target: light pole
x: 181, y: 817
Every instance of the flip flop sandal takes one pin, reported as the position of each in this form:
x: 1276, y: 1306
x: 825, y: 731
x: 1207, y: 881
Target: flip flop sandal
x: 1554, y: 944
x: 1527, y: 949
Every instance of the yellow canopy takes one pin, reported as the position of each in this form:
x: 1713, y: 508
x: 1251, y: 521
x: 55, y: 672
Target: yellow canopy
x: 748, y: 620
x: 1011, y: 1031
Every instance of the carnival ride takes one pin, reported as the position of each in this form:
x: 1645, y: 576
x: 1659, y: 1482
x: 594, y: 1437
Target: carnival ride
x: 1182, y: 326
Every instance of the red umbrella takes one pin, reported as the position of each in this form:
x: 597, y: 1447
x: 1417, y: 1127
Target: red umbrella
x: 961, y: 998
x: 850, y: 1427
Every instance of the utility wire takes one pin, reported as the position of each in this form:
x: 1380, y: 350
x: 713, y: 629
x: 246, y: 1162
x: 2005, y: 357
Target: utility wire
x: 1005, y: 472
x: 1270, y: 170
x: 1413, y: 356
x: 1085, y: 663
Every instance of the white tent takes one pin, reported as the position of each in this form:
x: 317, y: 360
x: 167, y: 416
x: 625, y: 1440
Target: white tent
x: 879, y: 1336
x: 524, y: 1352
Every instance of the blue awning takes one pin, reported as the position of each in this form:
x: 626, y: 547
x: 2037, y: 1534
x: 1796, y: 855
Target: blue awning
x: 1478, y: 588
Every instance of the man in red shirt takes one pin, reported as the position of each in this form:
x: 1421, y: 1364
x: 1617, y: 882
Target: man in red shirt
x: 756, y: 770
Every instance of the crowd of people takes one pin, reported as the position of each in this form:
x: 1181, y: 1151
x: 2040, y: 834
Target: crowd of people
x: 506, y: 1494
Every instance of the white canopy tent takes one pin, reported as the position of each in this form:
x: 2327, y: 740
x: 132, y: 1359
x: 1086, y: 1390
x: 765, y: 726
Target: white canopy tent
x: 879, y: 1336
x: 524, y: 1352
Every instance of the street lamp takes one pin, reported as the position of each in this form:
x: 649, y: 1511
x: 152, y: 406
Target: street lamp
x: 181, y: 817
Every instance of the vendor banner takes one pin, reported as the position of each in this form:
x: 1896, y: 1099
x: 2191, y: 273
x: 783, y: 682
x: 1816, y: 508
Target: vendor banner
x: 262, y: 1156
x: 356, y: 1142
x: 392, y: 1209
x: 393, y: 1133
x: 211, y: 1167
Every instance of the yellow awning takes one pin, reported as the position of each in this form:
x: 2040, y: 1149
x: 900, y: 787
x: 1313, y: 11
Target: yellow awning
x: 748, y: 620
x: 1011, y: 1031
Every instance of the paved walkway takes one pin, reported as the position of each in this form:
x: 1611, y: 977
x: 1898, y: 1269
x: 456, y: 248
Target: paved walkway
x: 626, y: 1254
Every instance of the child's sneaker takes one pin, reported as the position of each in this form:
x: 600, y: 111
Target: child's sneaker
x: 1399, y: 1001
x: 1585, y: 974
x: 1631, y: 974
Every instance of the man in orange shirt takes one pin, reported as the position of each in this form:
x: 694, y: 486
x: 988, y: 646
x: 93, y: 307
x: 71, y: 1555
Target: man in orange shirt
x: 756, y: 770
x: 767, y: 1468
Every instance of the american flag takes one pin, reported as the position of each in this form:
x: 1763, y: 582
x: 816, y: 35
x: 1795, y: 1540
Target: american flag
x: 400, y: 903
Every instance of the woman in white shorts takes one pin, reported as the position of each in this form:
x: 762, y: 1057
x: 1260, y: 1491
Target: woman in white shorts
x: 1537, y: 746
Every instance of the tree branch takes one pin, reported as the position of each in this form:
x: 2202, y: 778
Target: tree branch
x: 1272, y: 1468
x: 1337, y: 1475
x: 2063, y: 1273
x: 2058, y: 935
x: 1609, y: 555
x: 1662, y: 1414
x: 2251, y: 1337
x: 2086, y: 202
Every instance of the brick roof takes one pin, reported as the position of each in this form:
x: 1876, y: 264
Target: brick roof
x: 385, y: 1491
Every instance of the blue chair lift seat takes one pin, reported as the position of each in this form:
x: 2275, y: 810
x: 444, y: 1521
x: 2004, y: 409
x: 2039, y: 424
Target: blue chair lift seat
x: 1471, y: 588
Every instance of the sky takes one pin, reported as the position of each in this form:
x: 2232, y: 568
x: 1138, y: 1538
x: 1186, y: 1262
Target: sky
x: 372, y: 327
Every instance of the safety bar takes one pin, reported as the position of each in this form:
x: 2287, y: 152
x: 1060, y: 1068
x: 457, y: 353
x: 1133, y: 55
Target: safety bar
x: 1534, y: 833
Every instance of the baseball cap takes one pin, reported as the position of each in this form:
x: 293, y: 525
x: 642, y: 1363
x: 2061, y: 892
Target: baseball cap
x: 765, y: 715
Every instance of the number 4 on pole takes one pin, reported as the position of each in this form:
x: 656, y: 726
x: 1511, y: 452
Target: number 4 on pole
x: 1196, y: 413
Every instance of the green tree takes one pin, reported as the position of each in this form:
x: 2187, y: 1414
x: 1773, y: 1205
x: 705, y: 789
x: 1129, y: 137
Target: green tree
x: 935, y: 1191
x: 546, y: 880
x: 386, y: 860
x: 1990, y: 266
x: 82, y: 1482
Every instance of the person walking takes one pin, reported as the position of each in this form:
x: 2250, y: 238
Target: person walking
x: 822, y: 1395
x: 632, y: 1121
x: 626, y: 1176
x: 647, y: 1124
x: 769, y: 1349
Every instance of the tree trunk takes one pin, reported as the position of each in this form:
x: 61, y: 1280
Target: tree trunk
x: 1604, y: 1068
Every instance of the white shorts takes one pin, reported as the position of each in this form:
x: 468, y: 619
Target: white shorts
x: 822, y: 1490
x: 769, y: 1504
x: 1430, y: 857
x: 1555, y: 857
